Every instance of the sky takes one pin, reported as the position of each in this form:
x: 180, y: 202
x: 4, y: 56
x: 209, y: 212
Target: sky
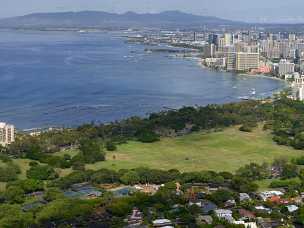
x: 286, y: 11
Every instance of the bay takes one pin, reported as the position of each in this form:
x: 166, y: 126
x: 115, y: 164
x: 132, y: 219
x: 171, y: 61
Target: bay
x: 70, y: 78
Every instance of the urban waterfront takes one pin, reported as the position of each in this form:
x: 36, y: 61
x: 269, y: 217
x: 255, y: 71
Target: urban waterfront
x: 70, y: 78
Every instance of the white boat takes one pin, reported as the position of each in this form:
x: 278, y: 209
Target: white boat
x: 244, y: 98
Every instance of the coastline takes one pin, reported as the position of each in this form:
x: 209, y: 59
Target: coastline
x: 288, y: 84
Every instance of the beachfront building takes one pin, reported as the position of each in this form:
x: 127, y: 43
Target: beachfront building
x: 7, y: 134
x: 242, y: 61
x: 246, y: 61
x: 286, y: 67
x: 231, y: 61
x: 298, y: 88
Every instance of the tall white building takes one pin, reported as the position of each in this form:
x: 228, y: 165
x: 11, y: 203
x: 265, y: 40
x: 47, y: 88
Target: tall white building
x: 7, y: 134
x: 298, y: 88
x: 228, y: 39
x: 286, y: 67
x: 231, y: 61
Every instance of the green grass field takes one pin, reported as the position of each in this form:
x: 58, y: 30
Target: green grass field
x: 220, y: 151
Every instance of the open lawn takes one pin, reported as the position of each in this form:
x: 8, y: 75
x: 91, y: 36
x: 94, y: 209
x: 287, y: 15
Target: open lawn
x: 71, y: 152
x: 220, y: 151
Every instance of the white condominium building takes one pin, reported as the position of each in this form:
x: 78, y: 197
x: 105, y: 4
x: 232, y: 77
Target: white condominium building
x: 286, y: 67
x: 7, y: 134
x: 298, y: 88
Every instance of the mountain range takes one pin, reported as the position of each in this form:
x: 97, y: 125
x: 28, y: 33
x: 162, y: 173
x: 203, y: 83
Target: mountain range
x: 104, y: 19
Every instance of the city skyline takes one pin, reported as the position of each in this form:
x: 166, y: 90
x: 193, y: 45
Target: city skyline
x: 248, y: 11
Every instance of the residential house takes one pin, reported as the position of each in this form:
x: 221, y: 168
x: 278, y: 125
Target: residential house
x: 150, y: 189
x: 292, y: 208
x: 135, y: 219
x: 204, y: 220
x: 224, y: 214
x: 162, y: 223
x: 246, y: 224
x: 263, y: 209
x: 230, y: 203
x: 244, y: 197
x: 245, y: 214
x: 268, y: 194
x: 205, y: 205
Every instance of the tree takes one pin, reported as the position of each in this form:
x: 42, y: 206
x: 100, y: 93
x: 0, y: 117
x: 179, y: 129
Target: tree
x: 9, y: 172
x: 111, y: 146
x: 254, y: 171
x: 73, y: 178
x: 14, y: 194
x: 301, y: 175
x: 298, y: 141
x: 28, y: 185
x: 242, y: 184
x: 104, y: 176
x: 52, y: 194
x: 90, y: 152
x: 300, y: 216
x: 289, y: 171
x: 248, y: 126
x: 221, y: 196
x: 12, y: 216
x: 147, y: 136
x: 41, y: 172
x: 65, y: 211
x: 131, y: 177
x: 78, y: 166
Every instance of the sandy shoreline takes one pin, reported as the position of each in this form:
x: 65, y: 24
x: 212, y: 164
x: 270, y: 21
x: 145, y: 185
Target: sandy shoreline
x: 246, y: 74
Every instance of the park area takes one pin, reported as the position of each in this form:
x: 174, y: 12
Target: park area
x: 225, y: 150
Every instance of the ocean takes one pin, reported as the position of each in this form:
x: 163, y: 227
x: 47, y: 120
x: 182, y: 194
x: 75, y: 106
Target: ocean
x: 70, y: 78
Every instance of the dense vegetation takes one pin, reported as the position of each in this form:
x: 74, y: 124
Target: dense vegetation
x: 61, y: 211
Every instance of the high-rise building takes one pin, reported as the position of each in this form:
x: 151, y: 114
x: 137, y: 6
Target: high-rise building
x: 209, y: 50
x: 213, y: 39
x: 292, y: 37
x: 7, y: 134
x: 228, y: 39
x: 298, y: 88
x: 286, y: 67
x: 246, y: 61
x: 231, y: 61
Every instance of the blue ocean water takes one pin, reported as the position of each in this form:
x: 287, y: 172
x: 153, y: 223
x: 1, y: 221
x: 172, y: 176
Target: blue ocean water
x: 70, y: 78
